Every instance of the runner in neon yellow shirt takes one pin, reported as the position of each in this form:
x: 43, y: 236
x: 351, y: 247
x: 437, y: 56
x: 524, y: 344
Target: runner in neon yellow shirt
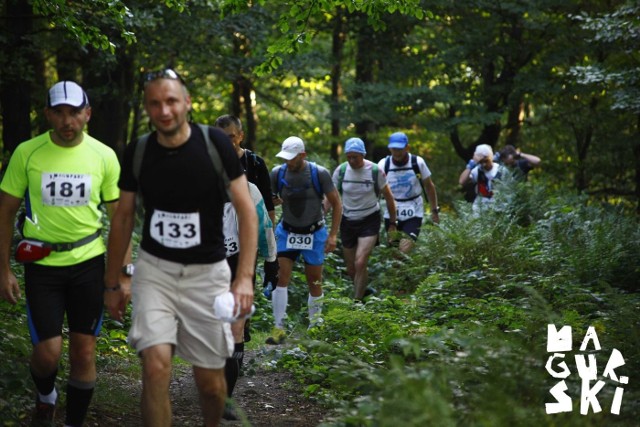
x: 63, y: 176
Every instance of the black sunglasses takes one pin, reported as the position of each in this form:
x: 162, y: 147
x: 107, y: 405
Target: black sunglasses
x: 166, y: 73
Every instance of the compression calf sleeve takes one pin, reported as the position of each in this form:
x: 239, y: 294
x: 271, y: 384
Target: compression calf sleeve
x: 280, y: 299
x: 79, y: 394
x: 315, y: 307
x: 46, y: 387
x: 233, y: 367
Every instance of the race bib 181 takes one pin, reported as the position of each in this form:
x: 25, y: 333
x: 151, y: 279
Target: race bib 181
x: 66, y: 189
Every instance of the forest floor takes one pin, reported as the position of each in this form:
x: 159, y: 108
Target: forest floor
x: 263, y: 397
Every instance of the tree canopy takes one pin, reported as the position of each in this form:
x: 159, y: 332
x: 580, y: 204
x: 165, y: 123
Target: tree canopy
x: 555, y: 78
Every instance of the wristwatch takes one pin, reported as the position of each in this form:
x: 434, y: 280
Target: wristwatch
x: 128, y: 270
x: 436, y: 210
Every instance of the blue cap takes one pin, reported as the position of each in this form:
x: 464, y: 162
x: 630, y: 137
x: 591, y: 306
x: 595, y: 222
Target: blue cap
x: 354, y: 145
x: 398, y: 140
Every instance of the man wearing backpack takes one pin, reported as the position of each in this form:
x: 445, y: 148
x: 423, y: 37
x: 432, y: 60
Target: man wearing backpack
x: 482, y: 171
x: 302, y: 185
x: 257, y: 174
x: 185, y: 173
x: 409, y: 179
x: 360, y: 183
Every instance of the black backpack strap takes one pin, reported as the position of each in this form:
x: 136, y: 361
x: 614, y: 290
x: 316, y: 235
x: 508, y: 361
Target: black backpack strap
x: 138, y: 155
x: 141, y: 145
x: 216, y: 160
x: 252, y: 165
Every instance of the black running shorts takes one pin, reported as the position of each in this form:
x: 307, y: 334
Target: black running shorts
x: 76, y: 290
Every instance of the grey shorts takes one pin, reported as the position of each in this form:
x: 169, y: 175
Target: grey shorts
x: 172, y: 304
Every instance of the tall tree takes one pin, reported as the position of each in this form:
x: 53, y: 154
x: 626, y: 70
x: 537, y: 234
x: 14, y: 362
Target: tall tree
x: 18, y: 65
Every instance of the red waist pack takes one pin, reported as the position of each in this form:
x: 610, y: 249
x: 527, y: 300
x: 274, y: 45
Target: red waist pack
x: 31, y: 250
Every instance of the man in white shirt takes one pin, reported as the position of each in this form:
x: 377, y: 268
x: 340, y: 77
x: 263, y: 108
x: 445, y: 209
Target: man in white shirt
x: 360, y: 183
x: 408, y: 177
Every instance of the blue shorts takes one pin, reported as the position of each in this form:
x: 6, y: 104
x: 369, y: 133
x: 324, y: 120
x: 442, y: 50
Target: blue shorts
x: 313, y: 256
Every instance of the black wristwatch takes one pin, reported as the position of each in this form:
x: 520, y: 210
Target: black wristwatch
x: 128, y: 270
x: 436, y: 210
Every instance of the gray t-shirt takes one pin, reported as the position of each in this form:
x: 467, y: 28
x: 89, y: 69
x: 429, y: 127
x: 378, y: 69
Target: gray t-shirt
x: 359, y: 198
x: 301, y: 204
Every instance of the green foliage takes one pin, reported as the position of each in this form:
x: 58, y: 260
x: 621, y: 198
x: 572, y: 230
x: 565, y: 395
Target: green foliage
x: 457, y: 335
x: 15, y: 380
x: 297, y: 31
x: 85, y: 21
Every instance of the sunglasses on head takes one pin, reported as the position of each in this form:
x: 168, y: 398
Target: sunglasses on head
x: 166, y: 73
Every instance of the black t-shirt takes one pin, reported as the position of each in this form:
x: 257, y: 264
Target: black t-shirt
x: 182, y: 199
x: 258, y: 174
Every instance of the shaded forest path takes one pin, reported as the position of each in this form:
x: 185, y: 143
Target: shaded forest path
x: 264, y: 398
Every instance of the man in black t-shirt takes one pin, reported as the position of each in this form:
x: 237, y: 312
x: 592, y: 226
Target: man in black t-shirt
x: 181, y: 266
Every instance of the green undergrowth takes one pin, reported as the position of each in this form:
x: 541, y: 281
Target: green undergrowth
x: 457, y: 333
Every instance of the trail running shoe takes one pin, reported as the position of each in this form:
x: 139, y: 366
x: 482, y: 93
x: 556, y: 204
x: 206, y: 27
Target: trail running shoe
x: 43, y: 414
x: 277, y: 337
x: 229, y: 413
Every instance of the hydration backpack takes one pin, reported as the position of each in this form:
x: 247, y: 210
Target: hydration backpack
x: 315, y: 181
x: 374, y: 176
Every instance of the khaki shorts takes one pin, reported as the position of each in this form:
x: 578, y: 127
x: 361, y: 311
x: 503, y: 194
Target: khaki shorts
x: 172, y: 304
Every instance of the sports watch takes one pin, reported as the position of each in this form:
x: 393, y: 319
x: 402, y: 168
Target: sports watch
x: 128, y: 270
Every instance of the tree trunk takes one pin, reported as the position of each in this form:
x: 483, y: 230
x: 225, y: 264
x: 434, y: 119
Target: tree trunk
x: 636, y: 155
x: 15, y: 87
x: 514, y: 123
x: 365, y: 65
x: 250, y: 123
x: 110, y: 92
x: 337, y: 49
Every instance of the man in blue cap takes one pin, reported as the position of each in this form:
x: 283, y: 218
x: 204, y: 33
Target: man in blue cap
x: 360, y: 184
x: 408, y: 176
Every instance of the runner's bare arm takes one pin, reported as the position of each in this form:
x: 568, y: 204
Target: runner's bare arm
x: 333, y: 198
x: 9, y: 289
x: 242, y: 286
x: 118, y: 291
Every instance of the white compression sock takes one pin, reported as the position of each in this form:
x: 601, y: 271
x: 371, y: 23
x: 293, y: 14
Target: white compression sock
x: 49, y: 398
x: 279, y: 300
x: 315, y: 308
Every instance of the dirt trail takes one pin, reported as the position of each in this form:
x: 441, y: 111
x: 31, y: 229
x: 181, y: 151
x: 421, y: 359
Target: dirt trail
x: 265, y: 398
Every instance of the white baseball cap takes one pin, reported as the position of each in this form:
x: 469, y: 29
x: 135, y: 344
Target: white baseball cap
x: 67, y: 93
x: 484, y: 150
x: 291, y: 147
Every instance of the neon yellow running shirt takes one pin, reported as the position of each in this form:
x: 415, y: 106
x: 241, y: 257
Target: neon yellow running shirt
x: 65, y: 187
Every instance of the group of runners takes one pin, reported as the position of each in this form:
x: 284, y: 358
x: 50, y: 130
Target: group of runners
x: 205, y: 198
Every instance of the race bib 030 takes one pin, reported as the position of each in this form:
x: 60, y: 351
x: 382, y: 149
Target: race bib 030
x: 300, y: 241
